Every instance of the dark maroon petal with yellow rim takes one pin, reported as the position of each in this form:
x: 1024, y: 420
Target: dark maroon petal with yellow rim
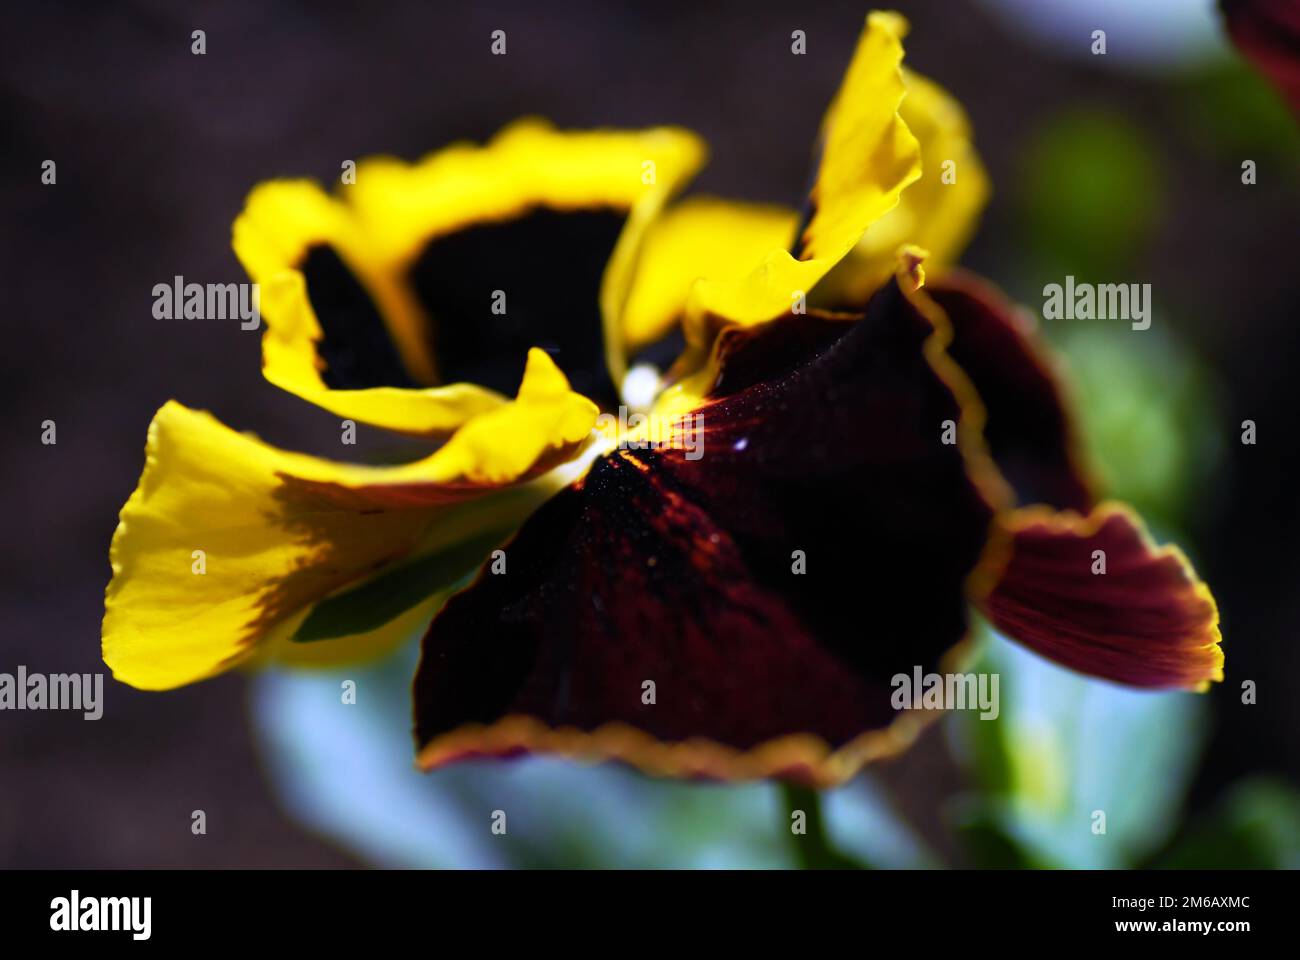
x: 1268, y: 32
x: 1146, y: 621
x: 821, y: 451
x: 1028, y: 429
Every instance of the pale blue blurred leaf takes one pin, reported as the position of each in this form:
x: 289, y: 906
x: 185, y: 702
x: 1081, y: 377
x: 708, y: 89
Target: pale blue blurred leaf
x: 1065, y: 746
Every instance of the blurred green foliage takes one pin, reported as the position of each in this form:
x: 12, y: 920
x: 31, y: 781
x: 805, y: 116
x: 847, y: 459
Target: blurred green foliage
x: 1092, y: 196
x: 1143, y: 402
x: 1257, y: 825
x: 1231, y: 112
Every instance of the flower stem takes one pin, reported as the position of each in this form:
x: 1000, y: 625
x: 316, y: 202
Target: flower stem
x: 812, y: 850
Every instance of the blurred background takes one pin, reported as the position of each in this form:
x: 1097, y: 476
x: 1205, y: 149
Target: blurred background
x: 1124, y: 167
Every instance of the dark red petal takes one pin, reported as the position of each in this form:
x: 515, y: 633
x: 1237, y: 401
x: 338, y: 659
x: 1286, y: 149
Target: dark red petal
x: 1147, y: 621
x: 1028, y: 429
x: 1268, y: 32
x: 661, y: 568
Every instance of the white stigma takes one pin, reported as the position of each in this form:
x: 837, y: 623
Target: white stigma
x: 640, y: 387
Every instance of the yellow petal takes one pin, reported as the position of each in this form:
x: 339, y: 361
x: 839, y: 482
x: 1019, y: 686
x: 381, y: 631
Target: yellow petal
x: 545, y: 425
x: 527, y: 165
x: 227, y: 541
x: 938, y: 212
x: 701, y: 237
x: 281, y: 220
x: 379, y: 225
x: 289, y: 361
x: 868, y: 157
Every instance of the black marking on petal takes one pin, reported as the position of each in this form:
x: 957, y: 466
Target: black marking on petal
x: 549, y: 265
x: 356, y: 349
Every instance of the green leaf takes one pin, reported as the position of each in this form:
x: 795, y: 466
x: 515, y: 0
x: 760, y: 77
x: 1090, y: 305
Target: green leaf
x: 377, y: 601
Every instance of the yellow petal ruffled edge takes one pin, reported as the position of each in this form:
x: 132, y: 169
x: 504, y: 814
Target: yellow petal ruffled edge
x: 379, y: 224
x: 868, y: 157
x: 227, y: 542
x: 719, y: 242
x: 938, y: 212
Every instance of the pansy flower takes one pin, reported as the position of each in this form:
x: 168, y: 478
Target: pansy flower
x: 855, y: 457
